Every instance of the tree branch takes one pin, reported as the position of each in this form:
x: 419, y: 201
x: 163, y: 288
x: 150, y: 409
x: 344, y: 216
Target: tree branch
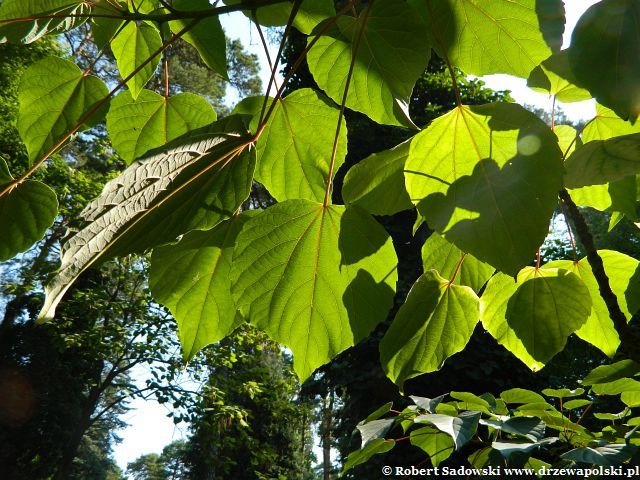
x: 628, y: 339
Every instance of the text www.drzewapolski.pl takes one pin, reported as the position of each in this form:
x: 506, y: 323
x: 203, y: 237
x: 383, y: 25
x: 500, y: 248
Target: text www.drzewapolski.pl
x: 628, y: 472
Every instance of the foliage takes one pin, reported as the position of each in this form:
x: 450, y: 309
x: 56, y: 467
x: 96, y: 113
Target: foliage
x: 319, y: 276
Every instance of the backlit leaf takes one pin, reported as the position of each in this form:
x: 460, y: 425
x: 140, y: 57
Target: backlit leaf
x: 294, y: 150
x: 54, y: 96
x: 605, y: 47
x: 533, y: 317
x: 603, y: 161
x: 438, y: 445
x: 391, y: 55
x: 606, y: 124
x: 192, y: 184
x: 377, y: 182
x: 132, y: 47
x: 151, y: 120
x: 486, y: 36
x: 609, y: 373
x: 207, y: 36
x: 487, y: 178
x: 443, y: 256
x: 435, y: 322
x: 191, y: 279
x: 317, y: 279
x: 617, y: 196
x: 555, y: 77
x: 26, y: 212
x: 361, y: 456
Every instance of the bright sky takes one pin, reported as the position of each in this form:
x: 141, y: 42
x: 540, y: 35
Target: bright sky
x: 149, y: 428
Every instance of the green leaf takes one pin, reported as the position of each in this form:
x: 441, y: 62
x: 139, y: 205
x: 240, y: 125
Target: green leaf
x: 461, y: 428
x: 607, y: 456
x: 506, y: 449
x: 470, y: 401
x: 573, y: 404
x: 377, y: 182
x: 26, y: 212
x: 438, y: 445
x: 207, y: 36
x: 443, y: 256
x: 132, y: 47
x: 521, y: 395
x: 390, y: 57
x: 614, y: 416
x: 618, y: 196
x: 609, y: 373
x: 562, y: 392
x: 151, y: 120
x: 624, y: 278
x: 309, y: 15
x: 435, y: 322
x: 487, y: 178
x: 631, y: 399
x: 30, y: 31
x: 54, y: 96
x: 555, y: 77
x: 616, y: 387
x: 374, y: 447
x: 383, y: 410
x: 103, y: 29
x: 191, y: 279
x: 294, y: 150
x: 606, y: 124
x: 374, y: 429
x: 605, y: 47
x: 533, y: 317
x: 603, y: 161
x: 192, y: 184
x: 568, y: 139
x: 316, y: 279
x: 488, y: 36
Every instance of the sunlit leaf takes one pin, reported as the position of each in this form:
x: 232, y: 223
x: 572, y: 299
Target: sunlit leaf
x: 487, y: 178
x: 606, y: 124
x: 610, y: 373
x: 488, y: 36
x: 607, y: 456
x: 443, y: 256
x: 207, y: 36
x: 54, y: 96
x: 555, y: 77
x: 533, y: 317
x: 294, y: 150
x: 151, y: 120
x: 461, y: 428
x: 521, y: 395
x: 361, y: 456
x: 26, y: 211
x: 195, y: 183
x: 135, y: 43
x: 191, y: 279
x: 605, y: 47
x: 317, y: 279
x: 391, y: 54
x: 438, y: 445
x: 377, y: 182
x: 435, y: 322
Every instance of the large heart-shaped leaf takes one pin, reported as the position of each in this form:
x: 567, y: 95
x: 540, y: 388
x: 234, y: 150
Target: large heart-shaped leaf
x: 317, y: 279
x: 487, y: 179
x: 206, y: 36
x: 606, y: 124
x: 28, y: 31
x: 294, y: 150
x: 438, y: 445
x: 26, y: 211
x: 377, y: 182
x: 390, y: 55
x: 443, y: 256
x: 372, y: 448
x: 461, y: 428
x: 624, y: 277
x: 195, y: 183
x: 605, y: 47
x: 555, y: 77
x: 487, y: 36
x: 151, y: 120
x: 533, y: 317
x: 435, y: 322
x: 54, y: 96
x: 618, y: 196
x: 603, y: 161
x: 191, y: 279
x: 132, y: 47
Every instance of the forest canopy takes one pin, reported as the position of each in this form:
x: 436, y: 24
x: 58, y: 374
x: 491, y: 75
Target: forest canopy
x: 288, y: 213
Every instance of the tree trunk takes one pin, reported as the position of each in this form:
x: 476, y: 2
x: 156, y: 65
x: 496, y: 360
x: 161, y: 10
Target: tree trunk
x: 327, y: 413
